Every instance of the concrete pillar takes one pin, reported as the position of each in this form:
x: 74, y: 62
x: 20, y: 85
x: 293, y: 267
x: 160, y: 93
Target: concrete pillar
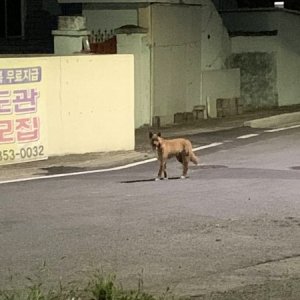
x: 134, y: 40
x: 70, y: 35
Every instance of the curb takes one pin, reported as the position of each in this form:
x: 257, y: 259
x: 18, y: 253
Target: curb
x: 275, y: 121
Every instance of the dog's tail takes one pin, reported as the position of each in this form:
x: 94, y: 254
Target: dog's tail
x: 194, y: 158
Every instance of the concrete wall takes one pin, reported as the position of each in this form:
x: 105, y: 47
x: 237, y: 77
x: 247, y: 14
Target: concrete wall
x: 176, y: 59
x: 89, y: 101
x: 257, y: 57
x: 137, y: 44
x: 108, y: 19
x: 219, y: 84
x: 284, y: 47
x: 252, y: 20
x: 215, y: 48
x: 258, y: 79
x: 289, y: 59
x: 182, y: 42
x: 215, y: 42
x: 225, y: 4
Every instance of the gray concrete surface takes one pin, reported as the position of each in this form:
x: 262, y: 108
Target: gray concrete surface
x: 231, y: 231
x: 90, y: 161
x: 286, y: 119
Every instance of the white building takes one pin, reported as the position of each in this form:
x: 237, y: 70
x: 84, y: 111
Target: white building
x: 185, y: 58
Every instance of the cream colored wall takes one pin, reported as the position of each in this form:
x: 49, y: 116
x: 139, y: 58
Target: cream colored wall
x: 89, y: 101
x: 176, y: 66
x: 137, y: 45
x: 219, y: 84
x: 95, y: 106
x: 186, y: 40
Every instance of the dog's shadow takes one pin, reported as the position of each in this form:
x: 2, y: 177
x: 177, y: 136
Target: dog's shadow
x: 176, y: 178
x: 148, y: 180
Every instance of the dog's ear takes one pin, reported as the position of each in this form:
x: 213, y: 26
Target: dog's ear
x: 150, y: 135
x: 158, y: 134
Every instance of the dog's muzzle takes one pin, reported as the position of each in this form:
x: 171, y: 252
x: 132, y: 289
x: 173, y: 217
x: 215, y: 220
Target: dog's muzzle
x: 155, y: 144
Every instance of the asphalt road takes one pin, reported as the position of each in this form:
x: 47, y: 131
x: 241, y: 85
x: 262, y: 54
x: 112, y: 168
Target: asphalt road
x: 230, y: 231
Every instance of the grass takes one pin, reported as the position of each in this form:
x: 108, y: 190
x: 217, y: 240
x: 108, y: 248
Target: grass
x: 95, y: 287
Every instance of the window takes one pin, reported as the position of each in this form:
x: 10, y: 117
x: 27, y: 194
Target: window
x: 11, y: 18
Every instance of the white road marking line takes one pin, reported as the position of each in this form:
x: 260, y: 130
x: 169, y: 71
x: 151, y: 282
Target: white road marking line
x: 282, y: 128
x: 133, y: 164
x: 247, y: 136
x: 207, y: 146
x: 98, y: 171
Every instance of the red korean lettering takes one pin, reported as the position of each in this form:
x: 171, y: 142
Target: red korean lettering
x: 6, y: 131
x: 28, y: 129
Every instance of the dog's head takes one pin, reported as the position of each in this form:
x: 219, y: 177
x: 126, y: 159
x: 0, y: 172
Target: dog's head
x: 155, y: 140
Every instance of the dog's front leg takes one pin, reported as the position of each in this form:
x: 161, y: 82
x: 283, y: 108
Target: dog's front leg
x: 165, y: 170
x: 162, y: 170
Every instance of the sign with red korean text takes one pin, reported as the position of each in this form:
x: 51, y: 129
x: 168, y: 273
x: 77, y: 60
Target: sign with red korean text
x: 22, y: 114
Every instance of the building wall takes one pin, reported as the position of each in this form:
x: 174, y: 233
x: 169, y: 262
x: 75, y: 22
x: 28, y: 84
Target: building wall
x: 289, y: 59
x: 183, y: 41
x: 285, y: 47
x: 215, y: 49
x: 89, y: 101
x: 98, y: 18
x: 102, y: 19
x: 252, y: 20
x: 225, y: 4
x: 215, y: 42
x: 137, y: 45
x: 257, y: 58
x: 95, y: 106
x: 220, y: 84
x: 176, y: 59
x: 258, y: 79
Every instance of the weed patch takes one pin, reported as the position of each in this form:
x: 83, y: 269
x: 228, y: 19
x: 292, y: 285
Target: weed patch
x: 94, y: 287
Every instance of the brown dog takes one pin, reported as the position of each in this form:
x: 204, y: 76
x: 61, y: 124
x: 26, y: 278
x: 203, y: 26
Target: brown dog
x: 180, y: 148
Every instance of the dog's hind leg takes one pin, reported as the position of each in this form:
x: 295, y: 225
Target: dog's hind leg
x: 193, y: 158
x: 179, y: 158
x: 185, y: 163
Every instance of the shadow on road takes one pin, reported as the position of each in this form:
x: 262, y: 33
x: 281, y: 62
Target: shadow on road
x: 146, y: 180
